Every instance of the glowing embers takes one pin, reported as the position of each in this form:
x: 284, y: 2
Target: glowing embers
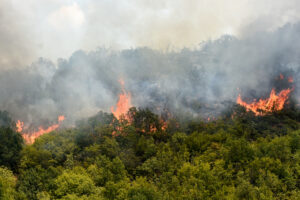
x: 123, y: 104
x: 264, y: 106
x: 30, y: 136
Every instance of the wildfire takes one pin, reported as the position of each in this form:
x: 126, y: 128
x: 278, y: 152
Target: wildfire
x: 281, y: 77
x: 30, y: 137
x: 164, y: 125
x: 123, y: 104
x: 19, y: 126
x: 210, y: 119
x: 121, y: 112
x: 273, y: 103
x: 289, y: 79
x: 61, y: 118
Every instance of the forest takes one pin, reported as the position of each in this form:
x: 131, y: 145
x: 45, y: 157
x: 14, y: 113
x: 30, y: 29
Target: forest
x: 142, y: 156
x: 150, y: 100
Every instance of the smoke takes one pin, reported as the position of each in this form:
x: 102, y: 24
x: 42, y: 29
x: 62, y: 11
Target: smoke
x: 15, y: 41
x: 192, y: 81
x: 56, y: 28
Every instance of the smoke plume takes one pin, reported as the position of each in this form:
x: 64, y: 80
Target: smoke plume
x: 191, y: 81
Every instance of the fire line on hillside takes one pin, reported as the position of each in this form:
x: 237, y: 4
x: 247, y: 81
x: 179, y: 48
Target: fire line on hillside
x: 263, y: 106
x: 31, y: 136
x: 272, y: 103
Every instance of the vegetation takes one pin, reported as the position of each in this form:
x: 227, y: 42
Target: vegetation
x: 240, y: 156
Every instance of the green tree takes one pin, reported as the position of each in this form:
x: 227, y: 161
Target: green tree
x: 11, y: 144
x: 74, y: 182
x: 141, y: 189
x: 7, y: 184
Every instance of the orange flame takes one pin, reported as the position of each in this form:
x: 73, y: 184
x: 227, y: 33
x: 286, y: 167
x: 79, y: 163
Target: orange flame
x: 281, y: 77
x: 19, y: 126
x: 164, y: 125
x: 273, y: 103
x: 31, y: 136
x: 123, y: 104
x: 290, y: 79
x: 61, y: 118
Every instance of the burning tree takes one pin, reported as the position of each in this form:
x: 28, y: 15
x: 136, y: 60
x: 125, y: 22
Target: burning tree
x: 271, y: 104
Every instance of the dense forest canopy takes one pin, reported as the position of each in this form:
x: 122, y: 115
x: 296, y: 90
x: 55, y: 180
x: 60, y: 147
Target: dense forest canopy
x: 238, y: 156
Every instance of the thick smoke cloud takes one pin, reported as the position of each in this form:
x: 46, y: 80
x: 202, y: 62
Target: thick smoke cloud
x: 193, y: 81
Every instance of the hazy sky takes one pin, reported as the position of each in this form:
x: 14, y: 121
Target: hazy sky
x: 56, y: 28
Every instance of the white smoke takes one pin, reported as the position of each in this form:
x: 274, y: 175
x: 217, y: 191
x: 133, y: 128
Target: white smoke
x: 195, y: 81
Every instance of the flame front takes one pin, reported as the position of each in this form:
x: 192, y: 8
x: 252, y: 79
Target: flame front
x: 273, y: 103
x: 31, y: 136
x: 123, y: 104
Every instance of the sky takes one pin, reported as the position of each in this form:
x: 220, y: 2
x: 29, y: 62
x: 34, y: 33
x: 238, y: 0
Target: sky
x: 55, y: 29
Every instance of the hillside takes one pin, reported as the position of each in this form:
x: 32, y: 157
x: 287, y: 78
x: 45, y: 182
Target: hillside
x: 239, y: 156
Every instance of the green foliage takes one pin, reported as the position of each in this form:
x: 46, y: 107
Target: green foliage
x: 37, y: 181
x: 74, y: 182
x: 239, y: 151
x: 11, y: 144
x: 105, y: 170
x: 246, y: 157
x: 7, y: 184
x: 144, y: 120
x: 141, y: 189
x: 109, y: 147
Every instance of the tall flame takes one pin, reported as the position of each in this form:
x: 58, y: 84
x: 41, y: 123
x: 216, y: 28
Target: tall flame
x: 31, y: 136
x: 273, y: 103
x: 123, y: 104
x: 19, y: 126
